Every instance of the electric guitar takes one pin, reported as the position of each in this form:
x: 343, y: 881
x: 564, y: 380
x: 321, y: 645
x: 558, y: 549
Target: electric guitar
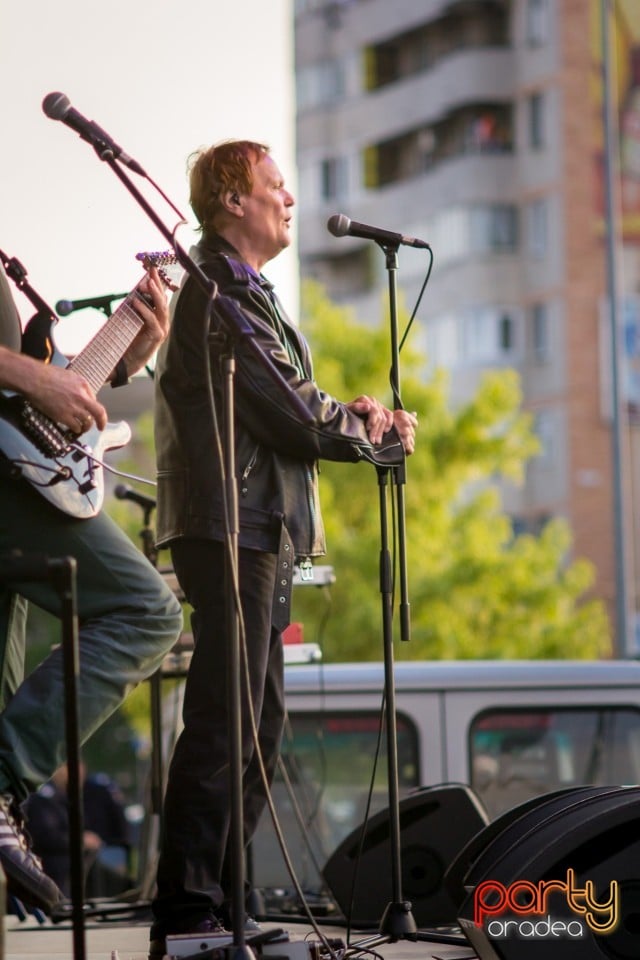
x: 64, y: 467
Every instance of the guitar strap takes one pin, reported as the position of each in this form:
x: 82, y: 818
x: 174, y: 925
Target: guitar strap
x: 18, y: 274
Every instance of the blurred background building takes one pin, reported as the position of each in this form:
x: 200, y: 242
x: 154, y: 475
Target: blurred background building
x: 477, y: 125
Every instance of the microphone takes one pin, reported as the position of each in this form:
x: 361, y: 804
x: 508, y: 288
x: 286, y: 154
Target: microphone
x: 57, y: 107
x: 123, y: 492
x: 65, y: 307
x: 341, y: 226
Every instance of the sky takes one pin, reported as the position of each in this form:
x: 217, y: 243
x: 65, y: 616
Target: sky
x: 162, y: 79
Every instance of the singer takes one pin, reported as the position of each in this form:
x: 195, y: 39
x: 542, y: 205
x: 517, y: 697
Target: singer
x: 128, y: 618
x: 245, y: 211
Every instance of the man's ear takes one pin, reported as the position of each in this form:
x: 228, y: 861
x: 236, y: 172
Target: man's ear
x: 232, y: 202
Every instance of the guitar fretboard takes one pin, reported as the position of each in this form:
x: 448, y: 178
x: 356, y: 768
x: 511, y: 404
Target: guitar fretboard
x: 98, y: 359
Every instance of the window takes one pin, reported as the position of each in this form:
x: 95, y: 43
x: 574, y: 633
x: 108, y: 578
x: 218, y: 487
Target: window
x: 505, y: 333
x: 451, y: 234
x: 489, y: 335
x: 398, y: 159
x: 536, y: 104
x: 381, y: 65
x: 461, y: 232
x: 545, y: 429
x: 533, y: 525
x: 539, y: 332
x: 471, y: 26
x: 494, y: 228
x: 333, y: 178
x: 537, y: 22
x: 329, y: 759
x: 320, y: 83
x: 442, y: 342
x: 518, y: 754
x: 537, y: 228
x: 479, y: 335
x: 480, y: 128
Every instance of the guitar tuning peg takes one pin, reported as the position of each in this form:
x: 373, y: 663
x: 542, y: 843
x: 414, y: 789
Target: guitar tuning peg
x: 158, y: 258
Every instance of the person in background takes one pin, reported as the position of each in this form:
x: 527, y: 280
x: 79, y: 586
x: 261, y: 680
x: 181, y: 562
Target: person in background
x: 244, y: 210
x: 105, y: 826
x: 128, y: 618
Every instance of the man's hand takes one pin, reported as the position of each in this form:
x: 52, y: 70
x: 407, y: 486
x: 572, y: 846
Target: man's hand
x: 64, y: 395
x: 379, y: 419
x: 61, y: 394
x: 406, y: 423
x: 156, y: 322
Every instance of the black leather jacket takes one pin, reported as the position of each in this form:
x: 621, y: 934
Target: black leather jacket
x: 276, y: 446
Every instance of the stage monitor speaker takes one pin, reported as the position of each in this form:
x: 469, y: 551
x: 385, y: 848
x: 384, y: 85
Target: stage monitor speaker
x: 435, y: 823
x: 486, y: 847
x: 597, y: 840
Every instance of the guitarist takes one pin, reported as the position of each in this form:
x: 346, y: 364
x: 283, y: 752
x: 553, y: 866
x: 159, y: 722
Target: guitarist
x: 128, y: 617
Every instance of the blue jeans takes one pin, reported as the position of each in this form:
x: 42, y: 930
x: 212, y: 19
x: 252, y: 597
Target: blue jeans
x: 193, y: 866
x: 128, y: 620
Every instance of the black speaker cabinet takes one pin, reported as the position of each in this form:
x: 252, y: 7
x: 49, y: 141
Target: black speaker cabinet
x: 558, y: 856
x: 477, y: 856
x: 435, y: 823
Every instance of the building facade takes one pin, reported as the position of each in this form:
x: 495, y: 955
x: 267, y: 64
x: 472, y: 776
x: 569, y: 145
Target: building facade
x: 476, y: 125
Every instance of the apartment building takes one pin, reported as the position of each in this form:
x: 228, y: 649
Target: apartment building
x: 476, y: 125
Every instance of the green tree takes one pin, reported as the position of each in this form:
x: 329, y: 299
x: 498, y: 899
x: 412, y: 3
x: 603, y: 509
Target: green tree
x: 476, y: 590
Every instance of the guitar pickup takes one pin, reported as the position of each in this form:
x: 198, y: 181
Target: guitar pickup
x: 44, y: 433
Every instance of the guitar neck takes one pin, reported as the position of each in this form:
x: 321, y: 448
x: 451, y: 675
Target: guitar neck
x: 98, y: 359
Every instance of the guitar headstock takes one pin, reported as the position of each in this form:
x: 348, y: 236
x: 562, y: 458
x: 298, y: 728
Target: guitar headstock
x: 160, y: 259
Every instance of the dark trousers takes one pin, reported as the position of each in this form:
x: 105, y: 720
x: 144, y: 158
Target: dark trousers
x: 192, y: 865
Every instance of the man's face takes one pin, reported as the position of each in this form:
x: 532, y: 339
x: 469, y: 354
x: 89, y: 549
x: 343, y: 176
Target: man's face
x: 267, y: 211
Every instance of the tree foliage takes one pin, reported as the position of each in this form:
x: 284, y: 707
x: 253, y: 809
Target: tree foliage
x: 475, y: 589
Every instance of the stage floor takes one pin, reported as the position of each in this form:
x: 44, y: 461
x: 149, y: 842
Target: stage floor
x: 127, y: 940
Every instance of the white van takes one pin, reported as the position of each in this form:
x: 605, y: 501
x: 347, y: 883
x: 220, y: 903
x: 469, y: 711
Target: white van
x: 508, y: 729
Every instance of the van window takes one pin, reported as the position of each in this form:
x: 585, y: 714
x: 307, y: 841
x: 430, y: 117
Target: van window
x: 518, y: 754
x: 329, y: 758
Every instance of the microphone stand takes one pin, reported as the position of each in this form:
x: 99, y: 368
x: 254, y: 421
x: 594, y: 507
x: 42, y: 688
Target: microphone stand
x: 236, y: 328
x: 397, y: 922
